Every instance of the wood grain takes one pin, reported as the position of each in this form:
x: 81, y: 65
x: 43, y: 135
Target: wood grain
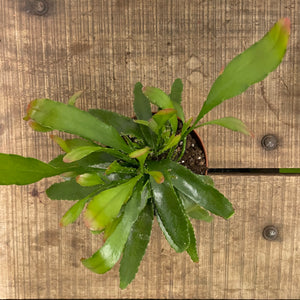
x: 105, y: 47
x: 40, y: 260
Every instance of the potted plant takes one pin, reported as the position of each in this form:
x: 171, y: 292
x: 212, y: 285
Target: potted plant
x: 123, y: 172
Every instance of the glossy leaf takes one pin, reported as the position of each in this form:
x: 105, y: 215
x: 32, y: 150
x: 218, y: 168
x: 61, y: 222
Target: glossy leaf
x: 108, y: 255
x: 104, y: 207
x: 69, y: 190
x: 166, y: 234
x: 171, y: 213
x: 194, y: 210
x: 251, y: 66
x: 111, y: 227
x: 193, y: 187
x: 136, y: 246
x: 229, y: 123
x: 68, y: 118
x: 15, y: 169
x: 124, y: 125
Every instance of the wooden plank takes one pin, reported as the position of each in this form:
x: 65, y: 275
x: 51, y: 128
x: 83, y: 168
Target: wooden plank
x: 40, y: 260
x: 104, y: 47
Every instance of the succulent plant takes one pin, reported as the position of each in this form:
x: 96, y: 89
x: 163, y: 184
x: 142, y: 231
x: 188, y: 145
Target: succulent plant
x: 123, y: 172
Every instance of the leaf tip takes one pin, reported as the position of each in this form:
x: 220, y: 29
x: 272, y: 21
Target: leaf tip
x: 285, y: 23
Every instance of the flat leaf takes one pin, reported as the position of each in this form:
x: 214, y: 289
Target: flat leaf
x: 158, y: 97
x: 229, y: 123
x: 111, y: 227
x: 142, y: 109
x: 171, y: 213
x: 194, y: 210
x: 164, y: 115
x: 115, y: 167
x: 104, y: 207
x: 173, y: 141
x: 68, y: 118
x: 79, y: 153
x: 136, y: 246
x: 157, y: 176
x: 124, y: 125
x: 176, y: 91
x: 74, y: 212
x: 74, y: 98
x: 251, y: 66
x: 108, y: 255
x: 193, y: 187
x: 69, y: 190
x: 89, y: 179
x: 19, y: 170
x: 192, y: 249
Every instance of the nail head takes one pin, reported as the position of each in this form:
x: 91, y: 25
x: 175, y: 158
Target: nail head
x: 269, y: 142
x: 39, y: 7
x: 270, y: 233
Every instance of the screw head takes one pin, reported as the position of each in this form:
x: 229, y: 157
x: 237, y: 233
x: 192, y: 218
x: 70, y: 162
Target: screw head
x: 39, y: 7
x: 269, y: 142
x: 270, y: 233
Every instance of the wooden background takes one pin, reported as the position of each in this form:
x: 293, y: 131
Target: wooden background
x: 104, y: 48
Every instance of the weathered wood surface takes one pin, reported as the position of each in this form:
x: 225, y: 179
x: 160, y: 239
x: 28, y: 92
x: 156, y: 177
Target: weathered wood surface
x: 103, y: 48
x: 40, y: 260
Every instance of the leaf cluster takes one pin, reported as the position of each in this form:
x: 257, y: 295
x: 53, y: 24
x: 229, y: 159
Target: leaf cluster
x: 121, y: 172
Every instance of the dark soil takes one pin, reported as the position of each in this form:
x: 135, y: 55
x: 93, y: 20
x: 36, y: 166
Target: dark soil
x: 194, y: 157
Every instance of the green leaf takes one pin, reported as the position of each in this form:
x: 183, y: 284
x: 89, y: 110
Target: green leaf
x: 171, y: 213
x: 69, y: 190
x: 142, y: 109
x: 164, y: 115
x: 136, y: 246
x: 74, y: 98
x: 251, y: 66
x: 15, y: 169
x: 124, y: 125
x: 193, y: 187
x: 80, y: 152
x: 193, y: 210
x: 104, y: 207
x: 108, y: 255
x: 229, y: 123
x: 158, y: 97
x: 192, y: 249
x: 68, y: 118
x: 172, y: 141
x: 74, y: 212
x: 157, y: 176
x: 89, y: 179
x: 111, y: 227
x: 92, y: 163
x: 176, y: 91
x: 115, y: 167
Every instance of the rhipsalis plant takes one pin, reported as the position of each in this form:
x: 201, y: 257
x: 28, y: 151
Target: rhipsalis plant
x: 123, y: 172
